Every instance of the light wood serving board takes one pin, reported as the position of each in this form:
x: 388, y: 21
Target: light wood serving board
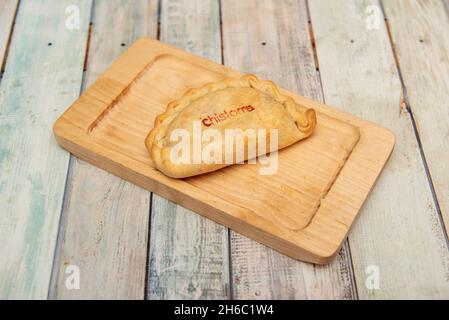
x: 305, y: 210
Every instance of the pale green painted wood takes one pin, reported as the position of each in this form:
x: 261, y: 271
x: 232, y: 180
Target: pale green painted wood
x: 105, y: 229
x: 271, y: 38
x: 40, y: 81
x: 188, y: 253
x: 398, y: 230
x: 420, y: 33
x: 7, y: 13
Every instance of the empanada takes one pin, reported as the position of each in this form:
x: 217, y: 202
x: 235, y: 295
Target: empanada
x: 245, y: 104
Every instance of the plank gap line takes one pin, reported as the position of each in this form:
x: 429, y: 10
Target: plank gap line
x: 63, y: 215
x: 228, y: 231
x: 408, y: 108
x: 8, y: 42
x: 159, y: 13
x: 147, y: 260
x: 220, y: 14
x: 349, y: 261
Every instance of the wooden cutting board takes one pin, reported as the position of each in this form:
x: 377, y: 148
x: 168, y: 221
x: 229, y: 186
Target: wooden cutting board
x: 305, y: 210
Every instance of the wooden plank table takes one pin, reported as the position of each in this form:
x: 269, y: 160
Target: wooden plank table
x: 385, y: 61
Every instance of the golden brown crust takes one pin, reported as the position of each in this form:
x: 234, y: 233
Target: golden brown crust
x: 304, y: 118
x: 302, y: 122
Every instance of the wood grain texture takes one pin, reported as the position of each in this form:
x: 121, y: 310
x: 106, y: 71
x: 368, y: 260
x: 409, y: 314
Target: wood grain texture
x: 276, y: 45
x: 7, y: 14
x: 188, y: 253
x: 108, y: 124
x: 43, y: 74
x: 105, y: 230
x: 420, y: 34
x: 398, y: 231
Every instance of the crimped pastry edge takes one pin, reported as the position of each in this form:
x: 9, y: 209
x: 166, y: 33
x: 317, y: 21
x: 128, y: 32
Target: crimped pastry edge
x: 305, y: 118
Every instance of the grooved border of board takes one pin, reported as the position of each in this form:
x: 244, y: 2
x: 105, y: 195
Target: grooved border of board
x: 319, y: 242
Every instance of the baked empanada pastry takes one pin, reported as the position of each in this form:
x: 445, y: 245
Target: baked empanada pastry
x: 206, y: 129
